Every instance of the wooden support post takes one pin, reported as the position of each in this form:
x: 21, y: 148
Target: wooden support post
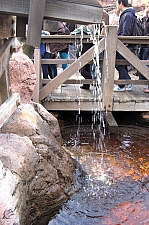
x: 4, y: 91
x: 37, y: 63
x: 8, y: 107
x: 109, y: 67
x: 35, y: 20
x: 112, y: 125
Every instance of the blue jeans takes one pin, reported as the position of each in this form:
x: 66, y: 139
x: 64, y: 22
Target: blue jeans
x: 64, y: 55
x: 71, y: 51
x: 49, y: 69
x: 122, y: 70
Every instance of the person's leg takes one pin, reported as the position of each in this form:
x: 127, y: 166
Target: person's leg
x: 45, y: 71
x: 54, y: 67
x: 45, y: 67
x: 143, y: 56
x: 122, y: 70
x: 85, y: 72
x: 64, y: 55
x: 71, y: 51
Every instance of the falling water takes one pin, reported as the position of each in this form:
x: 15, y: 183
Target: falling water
x: 116, y: 182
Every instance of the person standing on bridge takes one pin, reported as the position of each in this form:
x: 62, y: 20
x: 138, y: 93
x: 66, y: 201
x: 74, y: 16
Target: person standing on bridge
x: 126, y: 24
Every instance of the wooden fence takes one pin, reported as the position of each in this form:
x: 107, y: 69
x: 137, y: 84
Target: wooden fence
x: 110, y: 43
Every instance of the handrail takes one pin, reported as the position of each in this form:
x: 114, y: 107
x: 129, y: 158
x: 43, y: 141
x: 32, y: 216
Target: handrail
x: 8, y: 107
x: 87, y: 39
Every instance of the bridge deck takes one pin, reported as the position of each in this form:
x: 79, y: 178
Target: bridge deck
x: 72, y: 97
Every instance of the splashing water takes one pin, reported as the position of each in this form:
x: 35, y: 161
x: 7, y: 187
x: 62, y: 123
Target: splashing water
x: 116, y: 182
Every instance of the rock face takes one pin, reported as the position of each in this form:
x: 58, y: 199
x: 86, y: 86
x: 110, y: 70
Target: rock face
x: 22, y: 76
x: 35, y: 171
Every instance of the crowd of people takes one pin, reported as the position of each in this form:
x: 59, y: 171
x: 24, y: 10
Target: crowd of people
x: 123, y: 16
x: 125, y: 28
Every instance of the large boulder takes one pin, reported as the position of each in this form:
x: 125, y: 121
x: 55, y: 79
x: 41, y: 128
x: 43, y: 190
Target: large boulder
x: 22, y: 76
x: 34, y: 168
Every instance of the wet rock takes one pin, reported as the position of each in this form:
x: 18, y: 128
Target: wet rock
x: 34, y: 169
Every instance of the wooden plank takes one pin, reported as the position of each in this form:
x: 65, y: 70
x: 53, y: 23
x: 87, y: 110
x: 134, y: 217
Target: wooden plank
x: 68, y: 106
x: 4, y: 94
x: 5, y: 53
x: 35, y: 20
x: 128, y: 106
x: 73, y: 81
x: 136, y: 82
x: 109, y: 68
x: 58, y: 10
x: 133, y: 59
x: 139, y: 95
x: 112, y: 125
x: 72, y: 69
x: 134, y: 39
x: 86, y: 38
x: 142, y: 106
x: 57, y: 61
x: 21, y: 26
x: 37, y: 65
x: 8, y: 107
x: 69, y: 61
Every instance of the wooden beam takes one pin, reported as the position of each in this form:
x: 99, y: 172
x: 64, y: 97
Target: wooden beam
x: 133, y: 59
x: 109, y: 68
x: 112, y: 125
x: 4, y: 89
x: 71, y: 105
x: 8, y: 107
x: 37, y: 65
x: 136, y: 82
x: 81, y: 12
x: 35, y: 20
x: 72, y: 69
x: 90, y: 81
x: 74, y: 81
x: 69, y: 61
x: 5, y: 53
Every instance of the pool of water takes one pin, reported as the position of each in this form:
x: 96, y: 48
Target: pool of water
x: 115, y: 188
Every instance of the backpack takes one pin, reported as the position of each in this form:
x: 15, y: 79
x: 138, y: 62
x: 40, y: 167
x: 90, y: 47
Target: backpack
x: 145, y: 25
x: 138, y: 29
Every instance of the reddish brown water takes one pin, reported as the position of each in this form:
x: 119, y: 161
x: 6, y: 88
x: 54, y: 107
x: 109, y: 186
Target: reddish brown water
x: 116, y: 184
x: 115, y: 187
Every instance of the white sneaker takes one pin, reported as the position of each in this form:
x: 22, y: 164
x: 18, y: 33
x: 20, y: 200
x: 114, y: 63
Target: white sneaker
x: 117, y: 88
x: 63, y: 85
x: 129, y: 87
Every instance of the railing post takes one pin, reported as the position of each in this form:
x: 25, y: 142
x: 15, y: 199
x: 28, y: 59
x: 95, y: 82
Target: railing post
x: 109, y: 67
x: 37, y: 64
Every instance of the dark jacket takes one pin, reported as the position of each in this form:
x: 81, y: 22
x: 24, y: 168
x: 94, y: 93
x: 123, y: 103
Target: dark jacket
x: 126, y: 22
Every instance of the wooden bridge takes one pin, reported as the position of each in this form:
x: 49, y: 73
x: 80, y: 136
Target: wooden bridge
x: 71, y: 97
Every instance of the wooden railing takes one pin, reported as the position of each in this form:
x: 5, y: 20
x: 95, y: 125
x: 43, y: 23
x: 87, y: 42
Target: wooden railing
x: 110, y: 43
